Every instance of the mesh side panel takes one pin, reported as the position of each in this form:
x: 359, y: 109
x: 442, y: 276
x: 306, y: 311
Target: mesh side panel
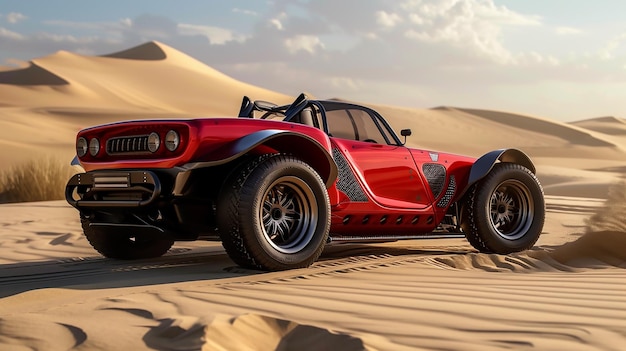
x: 346, y: 182
x: 436, y: 176
x: 445, y: 200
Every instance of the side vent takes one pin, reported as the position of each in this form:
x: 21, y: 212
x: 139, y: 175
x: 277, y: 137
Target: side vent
x: 346, y: 181
x: 445, y: 200
x: 346, y: 219
x: 436, y: 176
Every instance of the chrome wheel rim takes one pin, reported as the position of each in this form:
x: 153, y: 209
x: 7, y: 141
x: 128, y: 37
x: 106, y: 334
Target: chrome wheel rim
x: 511, y: 209
x: 288, y: 213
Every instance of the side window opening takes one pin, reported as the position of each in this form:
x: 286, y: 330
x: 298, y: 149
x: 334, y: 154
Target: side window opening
x: 340, y: 124
x: 354, y: 123
x: 367, y: 128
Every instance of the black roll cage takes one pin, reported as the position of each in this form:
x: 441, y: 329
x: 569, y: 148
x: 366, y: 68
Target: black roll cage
x: 292, y: 110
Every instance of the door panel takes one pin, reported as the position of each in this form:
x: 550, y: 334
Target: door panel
x: 388, y: 172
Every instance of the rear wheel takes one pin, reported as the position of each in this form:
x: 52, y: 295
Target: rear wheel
x: 505, y: 211
x: 118, y: 243
x: 274, y: 215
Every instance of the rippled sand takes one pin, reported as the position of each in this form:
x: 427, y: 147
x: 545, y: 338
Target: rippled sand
x: 567, y: 293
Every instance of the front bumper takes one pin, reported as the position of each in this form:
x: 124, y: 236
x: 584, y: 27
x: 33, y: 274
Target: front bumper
x: 113, y: 189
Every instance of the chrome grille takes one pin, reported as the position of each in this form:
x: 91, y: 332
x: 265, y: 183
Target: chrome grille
x: 128, y: 144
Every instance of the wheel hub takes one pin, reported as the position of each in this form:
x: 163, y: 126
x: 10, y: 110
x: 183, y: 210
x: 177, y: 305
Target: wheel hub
x: 277, y: 213
x: 286, y: 214
x: 511, y: 209
x: 505, y: 207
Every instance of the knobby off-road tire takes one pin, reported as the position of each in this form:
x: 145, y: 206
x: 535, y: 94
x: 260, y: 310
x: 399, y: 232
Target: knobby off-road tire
x: 505, y: 211
x: 112, y: 244
x: 274, y: 214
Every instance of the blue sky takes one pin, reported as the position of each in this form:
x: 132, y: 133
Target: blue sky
x: 559, y: 59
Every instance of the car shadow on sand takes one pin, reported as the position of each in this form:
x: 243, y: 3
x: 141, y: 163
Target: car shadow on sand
x: 177, y: 266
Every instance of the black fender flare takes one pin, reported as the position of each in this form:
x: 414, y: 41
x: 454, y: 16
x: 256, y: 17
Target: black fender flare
x: 300, y: 145
x: 485, y: 163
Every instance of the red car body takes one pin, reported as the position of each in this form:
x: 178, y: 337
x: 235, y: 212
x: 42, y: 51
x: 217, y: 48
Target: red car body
x: 377, y: 189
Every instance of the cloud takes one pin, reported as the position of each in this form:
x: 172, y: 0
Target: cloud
x: 153, y: 27
x: 114, y: 30
x: 473, y: 25
x: 345, y: 83
x: 567, y: 31
x: 613, y: 45
x: 276, y: 23
x: 7, y: 34
x: 215, y: 35
x: 13, y: 17
x: 487, y: 10
x: 245, y: 12
x: 387, y: 19
x: 308, y: 43
x: 387, y: 40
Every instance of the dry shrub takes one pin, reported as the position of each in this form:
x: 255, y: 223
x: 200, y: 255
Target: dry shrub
x: 35, y: 180
x: 611, y: 216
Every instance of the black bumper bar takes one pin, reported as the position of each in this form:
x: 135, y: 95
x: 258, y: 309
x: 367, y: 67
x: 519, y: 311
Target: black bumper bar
x: 90, y: 190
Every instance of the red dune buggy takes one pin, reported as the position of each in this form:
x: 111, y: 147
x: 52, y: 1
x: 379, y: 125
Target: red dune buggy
x: 278, y: 183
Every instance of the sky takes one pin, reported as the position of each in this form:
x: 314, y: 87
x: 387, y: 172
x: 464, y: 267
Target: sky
x: 559, y: 59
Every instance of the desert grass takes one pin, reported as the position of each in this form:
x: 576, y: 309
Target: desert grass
x: 35, y: 180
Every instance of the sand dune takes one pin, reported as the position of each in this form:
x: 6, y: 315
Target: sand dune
x: 48, y: 102
x: 33, y: 75
x: 152, y: 51
x: 606, y: 125
x: 56, y: 293
x: 569, y: 133
x: 150, y: 78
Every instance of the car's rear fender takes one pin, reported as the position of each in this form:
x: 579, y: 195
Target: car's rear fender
x: 485, y: 163
x: 300, y: 145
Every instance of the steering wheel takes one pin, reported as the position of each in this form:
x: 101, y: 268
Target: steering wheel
x: 267, y: 106
x: 270, y: 108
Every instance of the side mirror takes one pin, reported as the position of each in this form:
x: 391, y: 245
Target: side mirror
x: 405, y: 133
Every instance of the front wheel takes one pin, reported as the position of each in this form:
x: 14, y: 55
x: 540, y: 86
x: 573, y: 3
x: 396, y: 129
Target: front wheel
x: 274, y: 214
x: 505, y: 211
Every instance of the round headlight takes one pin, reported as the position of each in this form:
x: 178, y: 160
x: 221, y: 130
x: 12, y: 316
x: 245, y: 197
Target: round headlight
x: 81, y: 147
x: 94, y: 147
x: 172, y: 140
x: 153, y: 142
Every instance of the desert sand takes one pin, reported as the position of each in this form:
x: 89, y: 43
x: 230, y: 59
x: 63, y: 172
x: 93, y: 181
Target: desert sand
x: 57, y: 293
